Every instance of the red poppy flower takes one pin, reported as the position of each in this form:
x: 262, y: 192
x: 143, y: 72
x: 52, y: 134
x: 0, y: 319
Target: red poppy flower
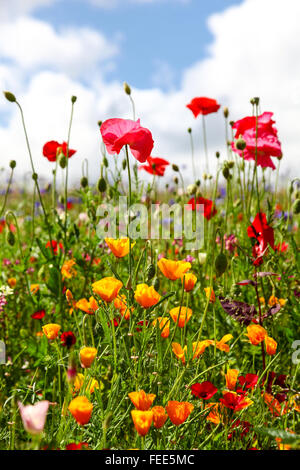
x: 155, y: 166
x: 202, y: 105
x: 55, y: 246
x: 52, y: 149
x: 79, y: 446
x: 205, y: 390
x: 234, y: 401
x: 68, y: 339
x: 141, y: 323
x: 209, y: 207
x: 268, y: 144
x: 249, y: 381
x: 243, y: 427
x: 262, y: 234
x: 38, y: 315
x: 119, y: 132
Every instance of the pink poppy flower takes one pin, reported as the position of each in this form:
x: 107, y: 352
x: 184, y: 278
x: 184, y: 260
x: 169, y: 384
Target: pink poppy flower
x: 34, y: 416
x: 268, y: 144
x: 119, y: 132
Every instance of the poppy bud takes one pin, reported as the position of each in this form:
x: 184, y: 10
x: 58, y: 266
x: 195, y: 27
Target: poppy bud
x: 124, y: 164
x: 156, y: 284
x: 10, y: 238
x: 101, y: 185
x: 84, y: 182
x: 189, y: 130
x: 240, y: 144
x: 280, y: 157
x: 221, y: 264
x: 296, y: 207
x: 191, y: 189
x: 62, y: 161
x: 204, y: 176
x: 226, y: 112
x: 13, y: 164
x: 217, y: 154
x: 10, y: 96
x: 105, y: 162
x: 127, y: 88
x: 99, y: 123
x: 231, y: 164
x: 175, y: 179
x: 231, y: 123
x: 61, y: 200
x: 226, y: 172
x: 197, y: 183
x: 150, y: 271
x: 34, y: 176
x: 175, y: 167
x: 74, y: 99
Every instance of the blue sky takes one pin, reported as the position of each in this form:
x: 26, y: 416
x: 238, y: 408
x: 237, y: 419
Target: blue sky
x: 172, y: 34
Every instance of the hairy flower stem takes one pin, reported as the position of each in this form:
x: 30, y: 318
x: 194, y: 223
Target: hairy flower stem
x: 130, y: 200
x: 7, y: 192
x: 205, y: 144
x: 67, y: 174
x: 193, y: 156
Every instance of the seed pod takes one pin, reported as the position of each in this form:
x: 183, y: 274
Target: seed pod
x: 10, y: 96
x: 101, y: 185
x: 296, y: 207
x: 221, y: 264
x: 150, y: 272
x: 10, y: 238
x: 84, y: 182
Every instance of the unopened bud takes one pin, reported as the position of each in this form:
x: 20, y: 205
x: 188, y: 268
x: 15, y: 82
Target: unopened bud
x: 101, y: 185
x: 10, y: 238
x: 74, y: 99
x: 175, y: 167
x: 124, y: 164
x: 62, y: 160
x: 99, y: 123
x: 240, y: 144
x: 217, y: 154
x: 296, y: 207
x: 105, y: 162
x: 175, y: 179
x: 226, y: 172
x: 231, y: 164
x: 150, y: 272
x: 191, y: 189
x: 13, y: 164
x: 189, y: 130
x: 226, y: 112
x: 127, y: 88
x: 221, y: 264
x: 10, y: 96
x: 34, y: 176
x: 156, y: 284
x: 107, y: 421
x: 84, y: 182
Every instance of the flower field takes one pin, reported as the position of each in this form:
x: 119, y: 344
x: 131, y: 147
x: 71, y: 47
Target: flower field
x: 113, y: 338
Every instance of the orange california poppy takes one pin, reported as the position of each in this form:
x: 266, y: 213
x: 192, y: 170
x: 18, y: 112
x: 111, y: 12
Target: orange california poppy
x: 81, y: 409
x: 146, y: 295
x: 231, y: 378
x: 189, y: 281
x: 141, y: 400
x: 159, y: 416
x: 51, y: 330
x: 107, y: 288
x: 180, y: 315
x: 256, y: 334
x: 178, y: 411
x: 119, y: 247
x: 142, y: 421
x: 164, y: 326
x: 87, y: 356
x: 173, y: 269
x: 88, y: 306
x: 271, y: 345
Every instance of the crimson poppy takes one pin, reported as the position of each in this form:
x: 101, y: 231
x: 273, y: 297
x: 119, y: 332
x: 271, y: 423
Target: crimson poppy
x: 209, y: 209
x: 203, y: 105
x: 204, y: 390
x: 119, y: 132
x: 262, y: 235
x: 249, y: 381
x: 38, y: 315
x: 52, y: 149
x: 55, y: 246
x: 235, y: 401
x: 260, y: 137
x: 155, y: 166
x: 68, y: 339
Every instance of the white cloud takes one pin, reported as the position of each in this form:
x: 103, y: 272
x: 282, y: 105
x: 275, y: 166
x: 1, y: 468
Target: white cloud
x: 32, y: 44
x: 11, y: 8
x: 253, y: 53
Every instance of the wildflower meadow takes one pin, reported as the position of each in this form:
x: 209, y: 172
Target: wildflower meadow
x: 141, y: 310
